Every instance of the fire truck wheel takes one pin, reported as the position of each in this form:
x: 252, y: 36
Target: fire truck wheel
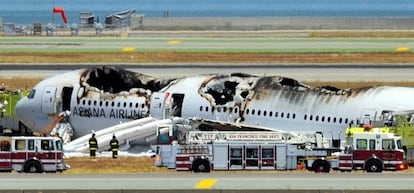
x: 201, y: 165
x: 32, y: 167
x: 321, y: 166
x: 373, y: 166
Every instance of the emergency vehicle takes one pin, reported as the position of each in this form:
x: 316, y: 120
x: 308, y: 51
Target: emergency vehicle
x: 31, y: 154
x: 203, y: 151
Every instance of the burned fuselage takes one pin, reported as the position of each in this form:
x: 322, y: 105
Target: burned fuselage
x: 276, y: 102
x: 115, y: 93
x: 105, y: 96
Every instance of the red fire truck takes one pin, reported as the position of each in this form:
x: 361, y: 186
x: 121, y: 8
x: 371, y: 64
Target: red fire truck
x: 202, y: 151
x: 31, y: 154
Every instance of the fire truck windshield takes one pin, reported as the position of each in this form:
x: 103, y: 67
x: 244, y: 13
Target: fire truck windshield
x: 58, y: 145
x: 399, y: 144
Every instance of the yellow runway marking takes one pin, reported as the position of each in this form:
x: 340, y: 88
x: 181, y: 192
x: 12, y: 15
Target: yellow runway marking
x: 402, y: 49
x: 205, y: 184
x: 128, y: 49
x: 174, y: 41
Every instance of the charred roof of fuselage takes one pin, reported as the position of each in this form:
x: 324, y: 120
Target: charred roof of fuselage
x: 115, y: 80
x: 225, y: 88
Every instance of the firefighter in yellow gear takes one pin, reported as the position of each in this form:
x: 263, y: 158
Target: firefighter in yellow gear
x: 93, y: 146
x: 114, y: 146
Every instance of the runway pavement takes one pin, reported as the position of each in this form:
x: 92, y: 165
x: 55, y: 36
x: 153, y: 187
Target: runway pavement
x: 202, y: 44
x: 301, y: 72
x: 221, y: 183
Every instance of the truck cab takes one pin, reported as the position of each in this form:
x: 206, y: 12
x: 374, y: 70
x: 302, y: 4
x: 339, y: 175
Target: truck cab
x: 31, y: 154
x: 373, y: 152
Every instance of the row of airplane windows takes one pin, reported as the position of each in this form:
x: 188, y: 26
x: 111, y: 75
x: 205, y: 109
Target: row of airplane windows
x: 278, y: 114
x: 112, y: 104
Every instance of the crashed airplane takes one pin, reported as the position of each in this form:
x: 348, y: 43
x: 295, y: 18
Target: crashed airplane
x: 101, y: 97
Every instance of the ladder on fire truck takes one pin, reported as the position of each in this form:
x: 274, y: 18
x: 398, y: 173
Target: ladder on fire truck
x: 307, y: 138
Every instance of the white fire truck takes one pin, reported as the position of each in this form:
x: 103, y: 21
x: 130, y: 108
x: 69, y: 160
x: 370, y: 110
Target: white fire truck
x: 202, y: 151
x: 31, y: 154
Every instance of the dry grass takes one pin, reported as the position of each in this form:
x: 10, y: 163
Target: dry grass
x: 15, y: 83
x: 85, y: 165
x: 185, y: 57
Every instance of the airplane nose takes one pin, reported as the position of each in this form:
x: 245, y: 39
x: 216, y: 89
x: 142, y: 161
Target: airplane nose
x: 22, y: 110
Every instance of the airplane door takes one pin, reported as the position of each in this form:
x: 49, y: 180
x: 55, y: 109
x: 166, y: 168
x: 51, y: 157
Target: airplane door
x: 66, y: 96
x: 368, y: 116
x: 48, y: 100
x: 157, y: 105
x: 177, y: 105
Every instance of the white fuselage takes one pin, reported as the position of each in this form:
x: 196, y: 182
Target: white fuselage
x: 271, y: 102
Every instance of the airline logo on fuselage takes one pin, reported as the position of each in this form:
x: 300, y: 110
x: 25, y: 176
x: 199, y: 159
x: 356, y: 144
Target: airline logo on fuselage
x: 117, y: 113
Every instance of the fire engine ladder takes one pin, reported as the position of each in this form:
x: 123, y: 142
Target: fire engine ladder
x: 243, y: 136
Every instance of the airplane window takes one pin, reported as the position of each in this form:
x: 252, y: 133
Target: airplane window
x: 334, y: 119
x: 253, y: 111
x: 270, y: 113
x: 201, y: 108
x: 130, y: 105
x: 124, y: 104
x: 317, y: 118
x: 294, y: 116
x: 224, y: 109
x: 118, y: 104
x: 247, y: 111
x: 259, y: 112
x: 31, y: 94
x: 106, y: 103
x: 95, y: 102
x: 230, y: 109
x: 323, y: 118
x: 206, y: 108
x: 264, y: 113
x: 83, y: 102
x: 346, y: 121
x: 311, y: 117
x: 282, y: 115
x: 288, y: 115
x: 305, y: 117
x: 89, y: 102
x: 340, y: 120
x: 113, y: 104
x: 212, y: 109
x: 136, y: 105
x: 142, y: 105
x: 100, y: 103
x: 329, y: 119
x: 276, y: 114
x: 236, y: 110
